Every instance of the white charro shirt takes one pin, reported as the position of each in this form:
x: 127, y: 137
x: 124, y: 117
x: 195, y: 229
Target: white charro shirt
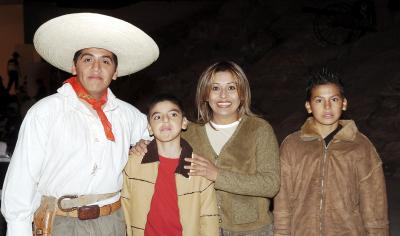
x: 62, y: 150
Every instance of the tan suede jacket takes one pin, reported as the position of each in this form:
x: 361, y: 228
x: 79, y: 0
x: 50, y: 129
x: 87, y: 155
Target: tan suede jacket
x: 330, y: 191
x: 196, y: 195
x: 248, y: 172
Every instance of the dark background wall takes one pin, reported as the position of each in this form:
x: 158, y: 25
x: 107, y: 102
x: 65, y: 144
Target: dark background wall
x: 275, y: 43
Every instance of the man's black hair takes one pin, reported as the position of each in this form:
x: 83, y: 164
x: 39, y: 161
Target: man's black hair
x: 78, y: 53
x: 321, y: 78
x: 162, y: 97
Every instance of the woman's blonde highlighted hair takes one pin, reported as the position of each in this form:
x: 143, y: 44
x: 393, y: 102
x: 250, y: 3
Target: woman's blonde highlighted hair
x: 204, y: 111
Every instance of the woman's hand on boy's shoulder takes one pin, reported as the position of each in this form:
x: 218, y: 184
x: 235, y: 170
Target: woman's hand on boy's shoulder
x: 201, y: 166
x: 139, y: 149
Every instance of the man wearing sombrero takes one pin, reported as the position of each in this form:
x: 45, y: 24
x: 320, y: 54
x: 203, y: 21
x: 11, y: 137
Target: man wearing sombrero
x: 73, y: 145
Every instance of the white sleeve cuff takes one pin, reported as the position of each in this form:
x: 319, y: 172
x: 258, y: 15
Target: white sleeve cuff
x: 19, y: 228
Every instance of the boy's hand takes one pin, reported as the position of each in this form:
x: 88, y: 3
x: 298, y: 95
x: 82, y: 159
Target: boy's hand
x: 201, y: 166
x: 140, y: 148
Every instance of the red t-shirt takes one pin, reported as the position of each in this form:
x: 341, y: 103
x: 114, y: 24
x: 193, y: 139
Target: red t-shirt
x: 163, y: 218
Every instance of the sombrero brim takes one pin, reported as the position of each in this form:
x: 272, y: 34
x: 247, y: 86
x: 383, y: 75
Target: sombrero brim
x: 58, y: 39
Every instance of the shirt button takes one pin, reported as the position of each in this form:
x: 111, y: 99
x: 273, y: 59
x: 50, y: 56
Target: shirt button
x: 96, y: 140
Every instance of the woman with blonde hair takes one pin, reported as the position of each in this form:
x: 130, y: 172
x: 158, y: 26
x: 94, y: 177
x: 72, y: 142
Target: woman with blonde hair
x: 236, y: 149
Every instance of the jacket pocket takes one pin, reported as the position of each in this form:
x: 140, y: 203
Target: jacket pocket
x: 244, y: 209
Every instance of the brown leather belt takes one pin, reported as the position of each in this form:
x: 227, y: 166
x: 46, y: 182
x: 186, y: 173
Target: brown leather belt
x: 90, y: 212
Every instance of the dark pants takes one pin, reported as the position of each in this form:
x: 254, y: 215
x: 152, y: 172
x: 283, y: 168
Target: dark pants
x: 12, y: 78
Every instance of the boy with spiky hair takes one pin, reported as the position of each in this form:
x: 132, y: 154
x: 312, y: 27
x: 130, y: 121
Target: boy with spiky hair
x: 332, y: 181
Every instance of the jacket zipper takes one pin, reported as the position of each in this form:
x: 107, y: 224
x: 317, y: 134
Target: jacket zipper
x: 321, y: 204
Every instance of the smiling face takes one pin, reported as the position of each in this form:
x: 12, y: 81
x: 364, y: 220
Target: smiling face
x: 224, y: 98
x: 95, y: 68
x: 166, y: 121
x: 326, y: 105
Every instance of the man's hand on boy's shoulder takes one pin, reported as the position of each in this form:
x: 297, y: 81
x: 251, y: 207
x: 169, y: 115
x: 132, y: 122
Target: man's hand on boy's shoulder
x: 139, y: 149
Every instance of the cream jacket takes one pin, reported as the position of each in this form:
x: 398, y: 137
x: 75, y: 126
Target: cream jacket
x: 196, y: 195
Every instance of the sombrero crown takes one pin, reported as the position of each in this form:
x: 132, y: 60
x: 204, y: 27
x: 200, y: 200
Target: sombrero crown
x: 58, y: 39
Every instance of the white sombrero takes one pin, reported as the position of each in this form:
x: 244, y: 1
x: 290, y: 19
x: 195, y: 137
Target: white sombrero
x: 58, y: 39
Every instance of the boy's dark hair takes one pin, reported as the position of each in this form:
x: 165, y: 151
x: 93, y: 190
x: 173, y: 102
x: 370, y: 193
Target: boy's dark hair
x: 78, y: 53
x: 321, y: 78
x: 162, y: 97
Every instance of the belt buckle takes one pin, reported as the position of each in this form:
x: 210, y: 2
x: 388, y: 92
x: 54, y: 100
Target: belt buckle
x: 66, y: 197
x: 88, y: 212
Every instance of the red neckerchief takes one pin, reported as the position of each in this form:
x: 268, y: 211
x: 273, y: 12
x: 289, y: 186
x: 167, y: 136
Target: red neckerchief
x: 96, y: 105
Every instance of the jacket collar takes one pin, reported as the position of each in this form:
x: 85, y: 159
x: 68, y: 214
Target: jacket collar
x: 152, y: 156
x: 348, y: 132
